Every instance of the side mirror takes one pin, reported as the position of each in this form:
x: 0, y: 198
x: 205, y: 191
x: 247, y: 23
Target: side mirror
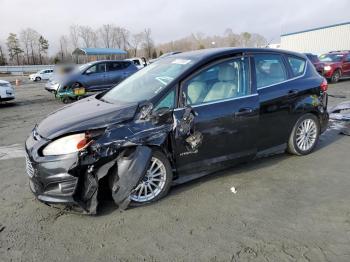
x: 162, y: 115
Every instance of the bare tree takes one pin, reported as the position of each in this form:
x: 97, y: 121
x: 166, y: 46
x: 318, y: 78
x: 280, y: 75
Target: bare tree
x: 24, y: 37
x: 124, y: 36
x: 246, y: 37
x: 29, y: 38
x: 74, y: 36
x: 106, y: 35
x: 258, y: 40
x: 86, y: 33
x: 148, y: 43
x: 135, y: 42
x: 63, y: 47
x: 94, y: 39
x: 2, y: 57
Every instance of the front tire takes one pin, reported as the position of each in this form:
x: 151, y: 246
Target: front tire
x: 304, y: 136
x: 336, y: 76
x: 37, y: 79
x: 156, y: 182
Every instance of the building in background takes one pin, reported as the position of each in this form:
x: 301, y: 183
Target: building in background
x: 318, y: 40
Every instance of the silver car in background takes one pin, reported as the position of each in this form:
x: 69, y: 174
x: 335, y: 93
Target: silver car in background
x: 7, y: 92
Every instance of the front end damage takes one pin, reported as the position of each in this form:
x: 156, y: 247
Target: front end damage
x: 120, y: 152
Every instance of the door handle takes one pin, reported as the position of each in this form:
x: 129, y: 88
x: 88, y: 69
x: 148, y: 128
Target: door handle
x: 293, y: 92
x: 243, y: 112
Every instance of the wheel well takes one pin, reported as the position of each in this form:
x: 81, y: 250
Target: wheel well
x: 80, y: 84
x: 318, y: 115
x: 338, y: 69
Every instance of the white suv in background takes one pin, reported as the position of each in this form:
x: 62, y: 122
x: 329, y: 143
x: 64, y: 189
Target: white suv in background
x: 7, y: 92
x: 44, y: 74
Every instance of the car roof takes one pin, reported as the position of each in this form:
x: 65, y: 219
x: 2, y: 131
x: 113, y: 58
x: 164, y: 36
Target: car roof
x: 339, y: 52
x: 215, y: 52
x: 104, y: 61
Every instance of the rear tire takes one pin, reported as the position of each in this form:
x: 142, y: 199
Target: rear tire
x: 304, y: 136
x: 162, y: 172
x: 336, y: 76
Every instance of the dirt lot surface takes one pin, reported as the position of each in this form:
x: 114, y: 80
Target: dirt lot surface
x: 286, y: 208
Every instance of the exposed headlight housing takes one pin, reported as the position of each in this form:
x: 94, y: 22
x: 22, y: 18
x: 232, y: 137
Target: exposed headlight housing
x: 67, y: 145
x: 327, y: 68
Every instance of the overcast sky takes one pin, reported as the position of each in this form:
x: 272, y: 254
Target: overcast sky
x: 170, y: 20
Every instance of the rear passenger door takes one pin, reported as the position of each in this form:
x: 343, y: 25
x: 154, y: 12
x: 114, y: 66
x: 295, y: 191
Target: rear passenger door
x: 115, y: 72
x: 277, y: 78
x: 225, y: 111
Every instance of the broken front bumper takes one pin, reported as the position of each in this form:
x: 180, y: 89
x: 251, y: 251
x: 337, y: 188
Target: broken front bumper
x: 50, y: 181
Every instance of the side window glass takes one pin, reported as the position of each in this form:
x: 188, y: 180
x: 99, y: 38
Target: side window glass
x: 92, y: 69
x: 269, y: 69
x: 225, y: 80
x: 114, y: 66
x: 101, y: 68
x: 297, y: 65
x: 168, y: 101
x: 348, y: 58
x: 136, y: 62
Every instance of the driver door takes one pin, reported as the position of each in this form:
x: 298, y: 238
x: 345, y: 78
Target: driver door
x: 217, y: 125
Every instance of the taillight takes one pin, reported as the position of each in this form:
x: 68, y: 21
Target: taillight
x: 324, y: 85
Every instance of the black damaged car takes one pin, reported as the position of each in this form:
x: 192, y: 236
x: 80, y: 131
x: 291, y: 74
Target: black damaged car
x: 180, y: 118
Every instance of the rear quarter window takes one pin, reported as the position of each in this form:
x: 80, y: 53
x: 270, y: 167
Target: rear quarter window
x: 297, y: 65
x: 269, y: 70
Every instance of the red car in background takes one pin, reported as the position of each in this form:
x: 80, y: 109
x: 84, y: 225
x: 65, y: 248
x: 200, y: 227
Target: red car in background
x: 316, y: 62
x: 336, y: 65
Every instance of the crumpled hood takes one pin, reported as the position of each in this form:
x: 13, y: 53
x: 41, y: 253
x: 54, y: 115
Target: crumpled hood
x: 86, y: 114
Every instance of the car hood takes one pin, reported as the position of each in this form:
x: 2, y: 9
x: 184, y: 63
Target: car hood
x: 86, y: 114
x: 4, y: 82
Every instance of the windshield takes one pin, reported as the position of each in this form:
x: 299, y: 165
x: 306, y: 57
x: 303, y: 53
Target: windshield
x: 148, y: 82
x: 83, y: 67
x: 331, y: 57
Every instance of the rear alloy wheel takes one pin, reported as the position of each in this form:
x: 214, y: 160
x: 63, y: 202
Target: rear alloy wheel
x: 38, y: 79
x: 156, y: 182
x: 304, y: 136
x: 336, y: 76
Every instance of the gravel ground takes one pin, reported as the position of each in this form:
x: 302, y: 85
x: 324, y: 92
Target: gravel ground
x: 286, y: 208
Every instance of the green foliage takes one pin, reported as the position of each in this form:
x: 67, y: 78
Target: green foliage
x: 14, y: 47
x: 43, y: 44
x: 56, y: 60
x: 201, y: 46
x: 161, y: 53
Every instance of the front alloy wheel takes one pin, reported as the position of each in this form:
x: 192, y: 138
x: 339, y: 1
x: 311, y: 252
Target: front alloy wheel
x: 156, y: 182
x: 305, y: 135
x: 335, y: 77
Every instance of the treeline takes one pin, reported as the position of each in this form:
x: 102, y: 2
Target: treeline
x: 31, y: 47
x: 201, y: 41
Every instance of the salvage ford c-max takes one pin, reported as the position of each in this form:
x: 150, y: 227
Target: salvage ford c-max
x: 180, y: 118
